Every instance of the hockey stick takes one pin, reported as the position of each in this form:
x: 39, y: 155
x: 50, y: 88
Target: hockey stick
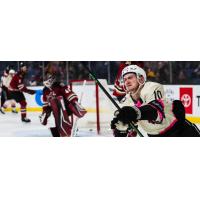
x: 111, y: 99
x: 0, y: 99
x: 0, y: 92
x: 74, y: 128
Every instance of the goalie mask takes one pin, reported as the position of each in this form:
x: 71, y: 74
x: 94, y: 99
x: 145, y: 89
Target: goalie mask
x: 49, y: 81
x: 136, y: 70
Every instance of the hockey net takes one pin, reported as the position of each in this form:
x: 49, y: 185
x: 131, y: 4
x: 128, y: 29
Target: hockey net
x: 99, y: 108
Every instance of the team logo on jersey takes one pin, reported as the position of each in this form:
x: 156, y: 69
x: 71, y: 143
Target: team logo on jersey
x: 187, y: 99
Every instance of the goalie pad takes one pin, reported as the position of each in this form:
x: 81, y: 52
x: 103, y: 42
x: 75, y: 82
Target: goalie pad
x: 54, y: 132
x: 62, y: 120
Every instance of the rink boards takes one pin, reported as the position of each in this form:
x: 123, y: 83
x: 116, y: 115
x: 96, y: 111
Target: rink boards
x: 188, y: 94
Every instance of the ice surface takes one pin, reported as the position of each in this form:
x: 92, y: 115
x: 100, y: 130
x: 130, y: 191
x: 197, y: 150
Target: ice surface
x: 11, y: 125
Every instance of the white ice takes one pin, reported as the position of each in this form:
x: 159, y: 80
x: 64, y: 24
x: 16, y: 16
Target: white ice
x: 11, y: 126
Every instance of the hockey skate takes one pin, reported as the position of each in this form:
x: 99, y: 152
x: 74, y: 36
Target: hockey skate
x: 1, y: 110
x: 14, y: 111
x: 26, y: 120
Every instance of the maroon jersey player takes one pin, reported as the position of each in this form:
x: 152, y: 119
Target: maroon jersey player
x: 17, y: 88
x: 62, y: 102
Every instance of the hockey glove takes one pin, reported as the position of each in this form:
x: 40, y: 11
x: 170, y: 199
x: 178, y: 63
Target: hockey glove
x: 118, y: 133
x: 116, y: 124
x: 70, y: 96
x: 75, y: 107
x: 23, y: 88
x: 131, y: 133
x: 113, y: 122
x: 30, y: 91
x: 119, y: 129
x: 128, y: 114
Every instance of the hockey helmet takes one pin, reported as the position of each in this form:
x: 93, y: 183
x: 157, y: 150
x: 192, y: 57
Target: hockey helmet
x: 22, y: 64
x: 134, y: 69
x: 11, y: 71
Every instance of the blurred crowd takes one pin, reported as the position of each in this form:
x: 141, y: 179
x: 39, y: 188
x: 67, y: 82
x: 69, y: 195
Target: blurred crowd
x: 165, y: 72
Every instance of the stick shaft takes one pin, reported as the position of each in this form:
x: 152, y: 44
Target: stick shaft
x: 111, y: 99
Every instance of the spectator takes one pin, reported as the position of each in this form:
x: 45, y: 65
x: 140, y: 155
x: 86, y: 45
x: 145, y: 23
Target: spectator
x: 182, y: 77
x: 151, y: 75
x: 163, y: 73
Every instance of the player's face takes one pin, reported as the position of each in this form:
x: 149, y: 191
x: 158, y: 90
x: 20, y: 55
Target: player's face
x: 24, y: 69
x: 131, y: 82
x: 11, y: 74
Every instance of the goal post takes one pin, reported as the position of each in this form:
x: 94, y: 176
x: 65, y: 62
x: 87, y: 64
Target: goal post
x: 99, y: 109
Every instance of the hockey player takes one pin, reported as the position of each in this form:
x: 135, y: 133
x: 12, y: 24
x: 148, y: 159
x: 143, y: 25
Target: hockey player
x: 3, y: 89
x: 1, y: 108
x: 6, y: 101
x: 17, y: 88
x: 62, y: 102
x: 146, y: 106
x: 119, y: 88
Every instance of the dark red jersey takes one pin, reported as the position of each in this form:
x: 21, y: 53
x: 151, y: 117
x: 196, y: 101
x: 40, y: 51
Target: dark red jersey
x: 69, y: 97
x: 17, y: 84
x: 119, y: 89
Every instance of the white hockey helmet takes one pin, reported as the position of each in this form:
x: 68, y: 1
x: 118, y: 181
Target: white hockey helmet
x: 11, y: 71
x: 134, y: 69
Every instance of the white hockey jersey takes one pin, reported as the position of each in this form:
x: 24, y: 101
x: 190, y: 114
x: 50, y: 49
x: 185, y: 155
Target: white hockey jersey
x: 6, y: 80
x: 150, y: 92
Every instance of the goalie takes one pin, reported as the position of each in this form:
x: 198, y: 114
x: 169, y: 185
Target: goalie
x: 145, y: 105
x: 62, y: 102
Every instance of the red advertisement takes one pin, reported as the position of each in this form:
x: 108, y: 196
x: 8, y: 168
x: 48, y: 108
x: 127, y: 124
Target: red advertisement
x: 186, y: 96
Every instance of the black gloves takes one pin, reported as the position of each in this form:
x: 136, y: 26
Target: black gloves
x: 123, y: 117
x: 121, y: 130
x: 113, y: 122
x: 128, y: 114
